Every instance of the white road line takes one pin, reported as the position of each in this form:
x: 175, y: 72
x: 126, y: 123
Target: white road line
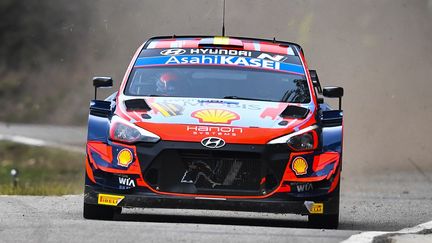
x: 368, y: 237
x: 23, y: 140
x: 39, y: 143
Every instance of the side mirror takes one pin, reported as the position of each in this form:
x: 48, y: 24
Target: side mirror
x: 334, y: 92
x: 102, y: 82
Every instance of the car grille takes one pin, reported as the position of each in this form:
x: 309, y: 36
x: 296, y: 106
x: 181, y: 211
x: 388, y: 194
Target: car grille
x: 219, y: 171
x: 208, y: 172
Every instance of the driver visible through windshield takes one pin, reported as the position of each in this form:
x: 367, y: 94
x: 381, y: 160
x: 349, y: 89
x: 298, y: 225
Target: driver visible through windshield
x: 218, y: 82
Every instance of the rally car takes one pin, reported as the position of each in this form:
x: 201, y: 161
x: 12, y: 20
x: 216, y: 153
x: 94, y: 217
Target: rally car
x: 220, y: 123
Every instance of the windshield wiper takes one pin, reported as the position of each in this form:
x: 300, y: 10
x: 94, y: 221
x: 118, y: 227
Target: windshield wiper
x: 287, y: 94
x: 233, y: 97
x: 155, y: 95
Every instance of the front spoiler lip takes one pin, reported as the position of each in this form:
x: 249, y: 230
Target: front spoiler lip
x: 267, y: 205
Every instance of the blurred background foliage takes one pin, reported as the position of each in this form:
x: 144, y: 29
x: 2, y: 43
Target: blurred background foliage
x: 42, y: 170
x: 51, y: 49
x: 42, y: 45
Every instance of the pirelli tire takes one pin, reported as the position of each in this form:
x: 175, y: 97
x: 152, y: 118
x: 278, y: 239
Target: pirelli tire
x: 326, y: 221
x: 101, y: 212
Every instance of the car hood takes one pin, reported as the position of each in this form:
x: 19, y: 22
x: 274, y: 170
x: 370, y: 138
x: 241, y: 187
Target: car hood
x: 192, y: 119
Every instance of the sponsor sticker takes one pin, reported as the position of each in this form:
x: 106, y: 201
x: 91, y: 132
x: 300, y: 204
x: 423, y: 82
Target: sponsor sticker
x: 277, y: 58
x: 126, y: 181
x: 273, y: 112
x: 124, y: 158
x: 177, y: 106
x: 214, y: 130
x: 317, y: 208
x: 172, y: 52
x: 110, y: 200
x: 304, y: 187
x: 216, y: 116
x: 168, y: 109
x: 244, y: 61
x: 221, y: 52
x: 314, y: 208
x: 225, y: 60
x: 299, y: 166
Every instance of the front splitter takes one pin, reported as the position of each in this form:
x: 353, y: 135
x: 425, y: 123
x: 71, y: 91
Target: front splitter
x: 269, y: 205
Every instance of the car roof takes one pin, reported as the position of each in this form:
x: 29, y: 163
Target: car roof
x: 243, y: 43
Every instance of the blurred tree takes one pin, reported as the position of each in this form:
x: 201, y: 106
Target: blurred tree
x: 41, y: 44
x: 32, y: 32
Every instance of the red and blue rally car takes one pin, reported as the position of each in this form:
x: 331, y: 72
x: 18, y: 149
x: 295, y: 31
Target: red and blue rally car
x: 224, y: 123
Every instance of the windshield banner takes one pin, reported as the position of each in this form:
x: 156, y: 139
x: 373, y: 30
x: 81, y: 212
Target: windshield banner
x: 220, y: 60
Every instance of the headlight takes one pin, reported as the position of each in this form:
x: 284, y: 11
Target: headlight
x: 305, y: 139
x: 302, y: 142
x: 126, y: 132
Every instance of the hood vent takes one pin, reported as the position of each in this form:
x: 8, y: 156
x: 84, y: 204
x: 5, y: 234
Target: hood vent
x: 296, y: 112
x: 137, y: 105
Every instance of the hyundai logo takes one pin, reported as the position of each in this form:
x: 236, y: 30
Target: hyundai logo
x: 172, y: 52
x: 213, y: 142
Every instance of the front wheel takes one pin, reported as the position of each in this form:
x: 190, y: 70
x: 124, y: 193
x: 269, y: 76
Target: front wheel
x: 327, y: 221
x: 92, y: 211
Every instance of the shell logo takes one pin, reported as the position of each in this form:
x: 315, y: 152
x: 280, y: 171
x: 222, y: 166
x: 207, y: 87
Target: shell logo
x: 299, y: 166
x: 124, y: 158
x: 217, y: 116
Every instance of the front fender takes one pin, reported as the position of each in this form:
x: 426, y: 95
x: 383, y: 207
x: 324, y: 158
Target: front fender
x: 332, y: 139
x: 98, y: 128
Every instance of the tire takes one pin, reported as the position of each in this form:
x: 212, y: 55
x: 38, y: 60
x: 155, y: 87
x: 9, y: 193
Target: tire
x: 326, y: 221
x: 329, y: 221
x: 92, y: 211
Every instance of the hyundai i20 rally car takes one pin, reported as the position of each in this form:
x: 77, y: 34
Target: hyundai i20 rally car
x: 221, y: 123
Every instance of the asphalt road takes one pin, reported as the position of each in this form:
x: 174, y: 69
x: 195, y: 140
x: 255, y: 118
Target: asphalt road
x: 381, y: 201
x: 64, y: 137
x: 59, y: 219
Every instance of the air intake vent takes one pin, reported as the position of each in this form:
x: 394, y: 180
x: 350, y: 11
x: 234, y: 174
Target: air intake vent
x: 137, y: 105
x: 296, y: 112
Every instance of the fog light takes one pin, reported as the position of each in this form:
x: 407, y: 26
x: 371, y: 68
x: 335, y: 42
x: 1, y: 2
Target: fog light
x: 124, y: 157
x: 299, y: 166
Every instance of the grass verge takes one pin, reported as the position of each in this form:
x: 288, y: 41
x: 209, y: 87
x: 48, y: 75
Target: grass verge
x: 42, y: 170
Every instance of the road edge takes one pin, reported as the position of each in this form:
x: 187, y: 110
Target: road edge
x: 40, y: 143
x: 384, y: 236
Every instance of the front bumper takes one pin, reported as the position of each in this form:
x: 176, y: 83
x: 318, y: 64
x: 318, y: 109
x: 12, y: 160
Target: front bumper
x: 165, y: 168
x: 277, y: 203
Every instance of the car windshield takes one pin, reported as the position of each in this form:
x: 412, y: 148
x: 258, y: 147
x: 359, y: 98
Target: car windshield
x: 218, y: 82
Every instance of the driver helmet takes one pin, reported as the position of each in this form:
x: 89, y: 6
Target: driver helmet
x: 167, y: 83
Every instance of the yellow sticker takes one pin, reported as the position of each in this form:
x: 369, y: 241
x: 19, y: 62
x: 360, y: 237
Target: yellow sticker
x: 110, y: 200
x: 221, y: 40
x: 168, y: 109
x: 317, y: 208
x: 300, y: 166
x: 215, y: 116
x: 124, y: 157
